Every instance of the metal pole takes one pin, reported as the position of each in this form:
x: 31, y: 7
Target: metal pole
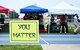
x: 0, y: 15
x: 48, y: 24
x: 12, y: 14
x: 8, y: 17
x: 0, y: 22
x: 8, y: 14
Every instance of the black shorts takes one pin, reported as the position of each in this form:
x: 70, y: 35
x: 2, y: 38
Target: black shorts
x: 63, y: 24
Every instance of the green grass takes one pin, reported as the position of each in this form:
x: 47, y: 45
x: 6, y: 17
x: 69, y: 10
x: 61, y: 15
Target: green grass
x: 71, y: 28
x: 20, y: 47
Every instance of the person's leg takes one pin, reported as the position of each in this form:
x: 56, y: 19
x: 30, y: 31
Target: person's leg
x: 75, y: 29
x: 60, y: 29
x: 65, y: 26
x: 64, y: 29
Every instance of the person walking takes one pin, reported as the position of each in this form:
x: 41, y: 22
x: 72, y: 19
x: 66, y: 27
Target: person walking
x: 76, y: 23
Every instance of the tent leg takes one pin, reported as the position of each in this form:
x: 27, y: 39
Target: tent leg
x: 49, y: 25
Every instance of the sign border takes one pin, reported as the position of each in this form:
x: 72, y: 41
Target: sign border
x: 31, y: 21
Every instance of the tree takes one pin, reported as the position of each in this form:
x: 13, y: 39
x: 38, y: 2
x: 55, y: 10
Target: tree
x: 13, y: 14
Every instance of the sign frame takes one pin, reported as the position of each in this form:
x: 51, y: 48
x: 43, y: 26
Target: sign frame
x: 24, y: 21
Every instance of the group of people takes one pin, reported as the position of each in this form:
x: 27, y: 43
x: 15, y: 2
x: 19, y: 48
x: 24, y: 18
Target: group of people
x: 36, y: 17
x: 64, y: 25
x: 63, y: 22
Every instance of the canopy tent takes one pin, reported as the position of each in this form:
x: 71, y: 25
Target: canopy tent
x: 64, y: 8
x: 33, y: 9
x: 4, y: 10
x: 65, y: 12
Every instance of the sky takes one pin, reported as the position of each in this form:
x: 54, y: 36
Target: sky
x: 18, y: 4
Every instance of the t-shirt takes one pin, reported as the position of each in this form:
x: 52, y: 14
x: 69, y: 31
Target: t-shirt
x: 75, y: 20
x: 63, y: 20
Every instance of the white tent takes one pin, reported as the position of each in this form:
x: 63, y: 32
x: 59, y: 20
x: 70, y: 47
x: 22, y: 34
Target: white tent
x: 64, y: 8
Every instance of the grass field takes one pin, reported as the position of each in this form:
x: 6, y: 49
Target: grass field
x: 20, y: 47
x: 71, y: 28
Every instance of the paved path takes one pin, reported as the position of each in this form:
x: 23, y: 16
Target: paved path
x: 46, y: 39
x: 60, y: 38
x: 61, y: 47
x: 51, y: 41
